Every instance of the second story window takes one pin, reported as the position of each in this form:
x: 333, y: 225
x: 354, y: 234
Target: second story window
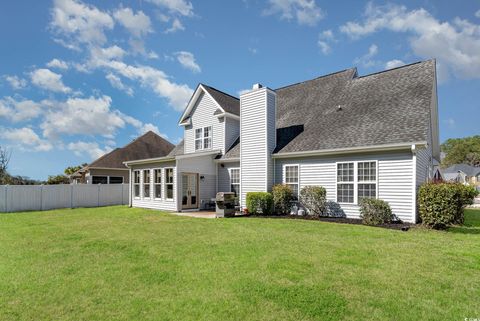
x: 203, y: 138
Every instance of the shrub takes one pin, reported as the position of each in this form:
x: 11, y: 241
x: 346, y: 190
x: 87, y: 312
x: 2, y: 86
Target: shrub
x: 314, y: 198
x: 282, y: 198
x: 375, y: 212
x: 442, y: 204
x: 259, y: 202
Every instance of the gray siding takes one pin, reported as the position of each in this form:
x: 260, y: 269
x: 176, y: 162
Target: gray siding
x: 255, y: 147
x: 202, y: 115
x: 223, y: 184
x: 232, y: 131
x: 395, y: 179
x: 162, y: 204
x: 271, y: 138
x: 424, y: 166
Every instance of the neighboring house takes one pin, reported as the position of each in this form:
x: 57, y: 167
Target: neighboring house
x: 373, y: 136
x: 109, y: 169
x: 462, y: 173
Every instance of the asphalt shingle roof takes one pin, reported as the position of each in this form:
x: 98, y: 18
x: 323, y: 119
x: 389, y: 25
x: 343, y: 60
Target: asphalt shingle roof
x: 229, y: 103
x: 465, y: 168
x: 149, y: 145
x: 178, y: 150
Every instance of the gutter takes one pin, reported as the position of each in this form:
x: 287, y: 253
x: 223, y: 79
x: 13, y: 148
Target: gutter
x: 198, y: 154
x: 350, y: 150
x: 149, y: 160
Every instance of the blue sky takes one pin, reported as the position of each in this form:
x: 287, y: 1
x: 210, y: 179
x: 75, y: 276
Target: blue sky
x: 79, y: 78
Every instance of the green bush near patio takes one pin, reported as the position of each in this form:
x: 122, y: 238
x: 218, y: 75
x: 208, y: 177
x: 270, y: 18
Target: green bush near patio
x: 259, y: 203
x: 282, y: 198
x: 120, y: 263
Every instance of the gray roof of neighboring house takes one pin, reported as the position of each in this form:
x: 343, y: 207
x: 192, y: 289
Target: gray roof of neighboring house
x: 149, y: 145
x: 177, y: 150
x: 465, y: 168
x: 228, y: 102
x: 388, y: 107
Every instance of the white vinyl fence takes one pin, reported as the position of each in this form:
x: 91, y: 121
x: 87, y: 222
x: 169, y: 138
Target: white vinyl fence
x: 16, y: 198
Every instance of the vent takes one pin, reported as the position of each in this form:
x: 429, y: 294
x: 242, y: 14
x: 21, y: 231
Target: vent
x: 257, y: 86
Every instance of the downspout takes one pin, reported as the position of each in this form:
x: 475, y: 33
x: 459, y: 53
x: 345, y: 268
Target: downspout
x: 130, y: 187
x: 414, y: 189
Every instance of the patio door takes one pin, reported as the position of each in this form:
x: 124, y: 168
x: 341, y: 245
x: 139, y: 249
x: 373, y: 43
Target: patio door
x: 189, y: 190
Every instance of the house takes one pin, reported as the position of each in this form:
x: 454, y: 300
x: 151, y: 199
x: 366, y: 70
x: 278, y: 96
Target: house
x: 462, y: 173
x: 109, y: 168
x: 373, y: 136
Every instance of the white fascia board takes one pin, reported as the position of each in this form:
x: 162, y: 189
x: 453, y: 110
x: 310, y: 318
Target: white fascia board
x: 199, y: 154
x: 149, y: 160
x: 229, y: 115
x: 110, y: 169
x: 350, y: 150
x: 227, y: 160
x: 193, y: 101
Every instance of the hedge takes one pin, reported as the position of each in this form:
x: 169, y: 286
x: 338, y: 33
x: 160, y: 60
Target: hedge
x: 441, y: 204
x: 314, y: 199
x: 282, y: 198
x: 375, y: 211
x: 260, y: 202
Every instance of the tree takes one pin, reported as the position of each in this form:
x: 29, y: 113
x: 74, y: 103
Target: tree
x: 72, y: 169
x: 57, y: 179
x: 461, y: 150
x: 4, y: 160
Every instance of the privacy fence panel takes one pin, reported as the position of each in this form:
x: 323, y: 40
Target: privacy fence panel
x: 16, y: 198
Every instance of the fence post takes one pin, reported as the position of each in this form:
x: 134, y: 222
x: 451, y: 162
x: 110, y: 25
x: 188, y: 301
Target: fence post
x: 98, y: 194
x: 122, y: 193
x: 71, y: 195
x: 41, y: 197
x: 6, y: 198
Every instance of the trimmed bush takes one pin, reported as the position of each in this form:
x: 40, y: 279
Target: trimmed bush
x: 282, y: 198
x: 442, y: 204
x: 260, y: 202
x: 314, y: 198
x: 375, y: 212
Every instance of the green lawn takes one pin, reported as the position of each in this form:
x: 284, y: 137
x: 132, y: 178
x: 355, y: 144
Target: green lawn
x: 118, y: 263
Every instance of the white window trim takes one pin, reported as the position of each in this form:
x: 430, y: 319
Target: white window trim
x: 239, y: 179
x: 139, y: 183
x: 355, y: 180
x: 162, y: 175
x: 285, y: 176
x: 202, y: 138
x: 164, y: 182
x: 149, y: 184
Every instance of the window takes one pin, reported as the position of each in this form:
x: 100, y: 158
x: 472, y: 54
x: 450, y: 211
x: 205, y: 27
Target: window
x: 367, y: 180
x: 198, y: 138
x: 169, y: 182
x: 136, y: 183
x: 157, y: 181
x: 146, y: 183
x: 115, y: 180
x: 235, y: 181
x: 291, y: 178
x: 203, y: 138
x: 99, y: 180
x: 353, y: 188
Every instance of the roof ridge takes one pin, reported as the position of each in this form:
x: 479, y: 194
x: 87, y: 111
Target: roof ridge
x: 222, y: 92
x: 323, y: 76
x: 399, y: 67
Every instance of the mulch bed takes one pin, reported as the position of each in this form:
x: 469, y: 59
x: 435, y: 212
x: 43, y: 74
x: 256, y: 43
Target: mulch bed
x: 342, y: 220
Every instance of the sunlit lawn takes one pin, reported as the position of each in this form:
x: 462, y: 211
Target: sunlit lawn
x: 118, y: 263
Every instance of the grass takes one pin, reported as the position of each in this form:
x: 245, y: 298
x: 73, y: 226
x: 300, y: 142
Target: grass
x: 119, y: 263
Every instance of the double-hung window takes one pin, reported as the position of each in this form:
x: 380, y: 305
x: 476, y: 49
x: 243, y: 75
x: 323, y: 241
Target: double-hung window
x: 146, y: 183
x: 356, y: 181
x: 169, y: 183
x: 203, y: 138
x: 157, y: 182
x: 235, y: 181
x: 291, y: 178
x: 136, y: 183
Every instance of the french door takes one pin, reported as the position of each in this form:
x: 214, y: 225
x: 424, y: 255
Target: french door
x: 189, y: 190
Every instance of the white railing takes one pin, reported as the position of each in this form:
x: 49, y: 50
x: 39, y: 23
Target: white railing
x: 17, y: 198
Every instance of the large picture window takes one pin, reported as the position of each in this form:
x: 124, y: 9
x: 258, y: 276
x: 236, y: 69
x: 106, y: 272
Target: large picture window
x: 115, y: 180
x: 157, y: 182
x: 146, y: 183
x: 99, y: 179
x: 203, y: 138
x: 356, y: 181
x: 136, y: 183
x: 235, y: 181
x: 169, y: 183
x: 291, y: 178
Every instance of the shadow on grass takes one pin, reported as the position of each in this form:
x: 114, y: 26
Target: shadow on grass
x: 471, y: 225
x: 464, y: 230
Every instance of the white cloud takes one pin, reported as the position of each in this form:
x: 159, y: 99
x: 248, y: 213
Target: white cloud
x: 367, y: 59
x: 81, y: 116
x: 79, y: 23
x: 477, y: 14
x: 26, y: 138
x: 138, y: 24
x: 176, y: 26
x: 450, y: 122
x: 324, y: 47
x: 81, y: 148
x: 57, y: 63
x: 180, y: 7
x: 16, y: 82
x: 47, y: 79
x: 324, y: 39
x: 243, y: 91
x: 187, y: 60
x: 305, y: 12
x: 19, y: 110
x: 117, y: 83
x: 455, y: 44
x: 394, y: 64
x: 151, y: 127
x: 253, y: 51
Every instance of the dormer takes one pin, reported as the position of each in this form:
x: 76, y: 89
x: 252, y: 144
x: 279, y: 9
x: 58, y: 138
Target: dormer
x: 211, y: 121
